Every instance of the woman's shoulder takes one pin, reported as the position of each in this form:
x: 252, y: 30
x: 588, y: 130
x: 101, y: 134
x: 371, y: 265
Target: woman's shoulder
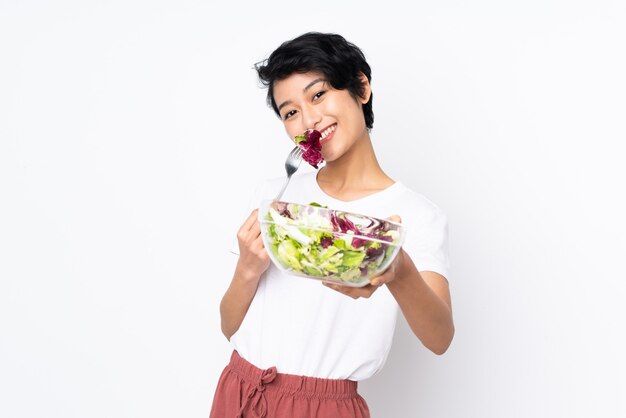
x: 417, y: 202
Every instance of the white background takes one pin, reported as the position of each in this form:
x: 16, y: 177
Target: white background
x: 132, y: 133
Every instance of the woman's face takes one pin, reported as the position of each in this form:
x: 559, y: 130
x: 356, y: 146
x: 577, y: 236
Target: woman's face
x: 308, y: 101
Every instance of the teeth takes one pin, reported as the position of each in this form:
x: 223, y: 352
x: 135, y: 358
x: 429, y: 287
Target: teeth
x: 328, y: 131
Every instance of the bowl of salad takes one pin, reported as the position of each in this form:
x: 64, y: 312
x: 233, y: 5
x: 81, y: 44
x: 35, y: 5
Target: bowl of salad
x: 316, y: 242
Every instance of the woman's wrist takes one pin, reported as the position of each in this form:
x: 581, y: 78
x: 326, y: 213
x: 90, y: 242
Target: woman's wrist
x: 245, y: 275
x: 405, y: 270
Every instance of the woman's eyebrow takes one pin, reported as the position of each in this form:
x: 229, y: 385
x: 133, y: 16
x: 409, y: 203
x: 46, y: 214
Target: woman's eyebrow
x: 311, y: 84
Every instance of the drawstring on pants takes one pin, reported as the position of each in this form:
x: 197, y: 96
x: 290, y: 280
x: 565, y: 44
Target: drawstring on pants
x: 267, y: 376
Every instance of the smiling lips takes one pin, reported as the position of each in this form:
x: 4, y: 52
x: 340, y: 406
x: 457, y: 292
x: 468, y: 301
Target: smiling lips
x: 327, y: 133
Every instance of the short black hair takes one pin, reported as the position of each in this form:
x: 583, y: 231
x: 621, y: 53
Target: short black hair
x: 328, y: 53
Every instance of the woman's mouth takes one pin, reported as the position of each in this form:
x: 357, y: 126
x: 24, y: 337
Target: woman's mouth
x: 328, y: 134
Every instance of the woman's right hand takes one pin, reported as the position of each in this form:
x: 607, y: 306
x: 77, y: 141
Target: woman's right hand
x: 253, y: 258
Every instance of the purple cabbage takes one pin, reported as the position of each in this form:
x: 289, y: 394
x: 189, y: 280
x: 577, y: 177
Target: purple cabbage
x: 311, y: 147
x: 326, y: 242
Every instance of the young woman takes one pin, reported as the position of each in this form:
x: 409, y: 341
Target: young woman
x: 301, y: 346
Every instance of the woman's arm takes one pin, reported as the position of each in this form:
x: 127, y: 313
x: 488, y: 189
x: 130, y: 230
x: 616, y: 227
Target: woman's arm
x: 253, y: 261
x: 424, y: 299
x: 237, y: 299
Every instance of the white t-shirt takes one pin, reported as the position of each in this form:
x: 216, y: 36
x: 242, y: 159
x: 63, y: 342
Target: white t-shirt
x: 305, y: 328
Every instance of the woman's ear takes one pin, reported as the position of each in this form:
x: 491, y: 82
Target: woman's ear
x: 366, y: 89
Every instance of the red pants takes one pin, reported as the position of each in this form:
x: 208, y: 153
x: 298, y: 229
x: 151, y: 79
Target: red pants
x: 246, y: 391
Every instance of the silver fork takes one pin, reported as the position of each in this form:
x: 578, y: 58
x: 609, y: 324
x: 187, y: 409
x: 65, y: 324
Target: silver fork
x: 291, y: 166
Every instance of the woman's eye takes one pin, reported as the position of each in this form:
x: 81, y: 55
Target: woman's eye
x: 316, y: 96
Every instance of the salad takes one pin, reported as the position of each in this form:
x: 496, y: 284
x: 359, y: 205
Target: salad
x: 309, y: 141
x: 314, y: 241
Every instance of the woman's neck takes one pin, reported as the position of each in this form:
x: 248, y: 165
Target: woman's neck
x: 355, y: 172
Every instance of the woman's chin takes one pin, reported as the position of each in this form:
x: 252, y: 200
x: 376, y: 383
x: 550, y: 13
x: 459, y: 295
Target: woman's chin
x: 327, y: 156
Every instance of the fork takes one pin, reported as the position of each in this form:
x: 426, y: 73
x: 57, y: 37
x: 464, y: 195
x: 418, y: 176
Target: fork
x: 291, y: 166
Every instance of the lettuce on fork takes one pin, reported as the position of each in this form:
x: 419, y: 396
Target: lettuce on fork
x: 309, y: 141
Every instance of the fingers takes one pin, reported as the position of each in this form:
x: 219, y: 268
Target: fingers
x: 249, y: 221
x: 255, y: 229
x: 377, y: 281
x: 395, y: 218
x: 353, y: 292
x: 257, y: 244
x: 380, y: 280
x: 389, y: 274
x: 254, y: 237
x: 251, y: 229
x: 258, y: 249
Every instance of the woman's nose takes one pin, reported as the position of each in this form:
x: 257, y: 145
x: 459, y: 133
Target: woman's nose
x: 311, y: 117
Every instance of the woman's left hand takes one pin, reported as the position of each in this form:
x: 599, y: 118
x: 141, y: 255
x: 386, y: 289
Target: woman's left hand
x: 375, y: 282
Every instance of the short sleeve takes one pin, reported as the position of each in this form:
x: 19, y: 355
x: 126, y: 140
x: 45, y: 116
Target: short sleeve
x: 253, y: 203
x: 426, y: 242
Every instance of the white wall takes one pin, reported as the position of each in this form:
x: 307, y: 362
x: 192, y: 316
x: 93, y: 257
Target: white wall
x: 130, y: 136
